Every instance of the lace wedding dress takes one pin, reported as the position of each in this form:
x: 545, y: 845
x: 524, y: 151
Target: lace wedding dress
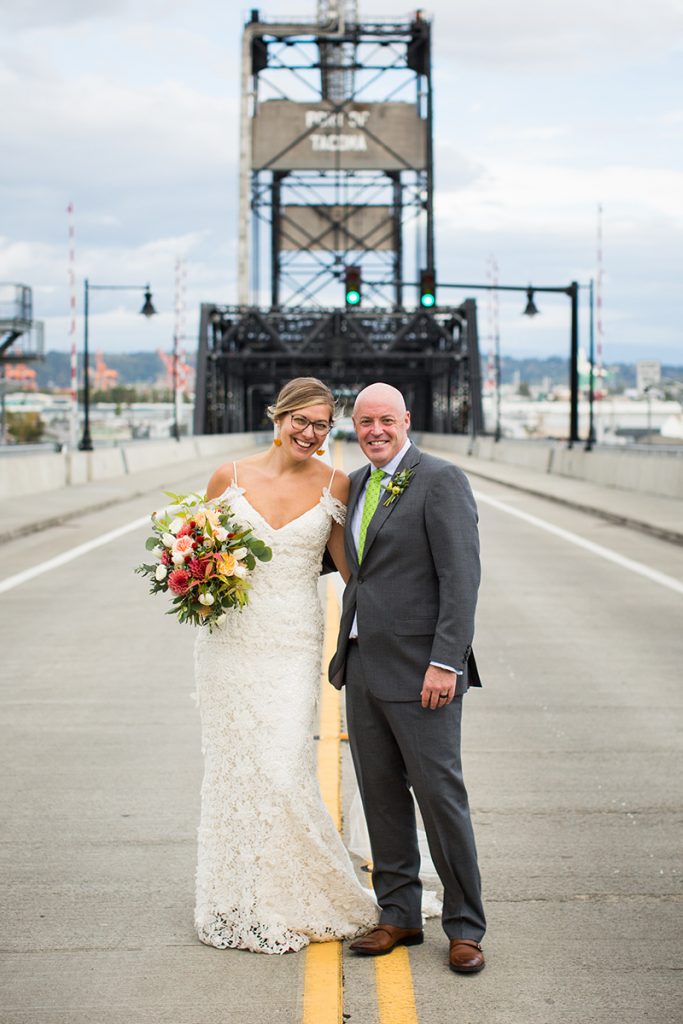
x: 272, y: 872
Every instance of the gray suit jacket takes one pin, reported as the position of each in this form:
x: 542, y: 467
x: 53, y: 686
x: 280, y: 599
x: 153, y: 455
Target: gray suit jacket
x: 415, y: 593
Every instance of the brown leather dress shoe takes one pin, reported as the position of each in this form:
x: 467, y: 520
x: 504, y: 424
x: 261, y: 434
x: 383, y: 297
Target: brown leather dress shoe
x: 385, y: 937
x: 466, y: 956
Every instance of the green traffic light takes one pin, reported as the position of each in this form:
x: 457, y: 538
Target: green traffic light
x: 352, y: 298
x: 427, y: 300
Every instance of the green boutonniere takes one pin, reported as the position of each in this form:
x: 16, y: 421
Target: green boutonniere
x: 397, y: 485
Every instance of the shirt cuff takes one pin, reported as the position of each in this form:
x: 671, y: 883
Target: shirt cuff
x: 449, y: 668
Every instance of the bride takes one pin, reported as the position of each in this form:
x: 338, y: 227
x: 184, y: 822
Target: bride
x: 273, y: 873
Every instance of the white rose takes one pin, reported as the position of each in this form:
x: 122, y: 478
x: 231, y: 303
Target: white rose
x: 175, y: 525
x: 206, y: 599
x: 168, y: 539
x: 220, y: 534
x: 241, y: 571
x: 161, y: 573
x: 239, y: 552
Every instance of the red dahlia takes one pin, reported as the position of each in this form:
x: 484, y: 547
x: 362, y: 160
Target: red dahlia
x: 179, y: 581
x: 197, y: 567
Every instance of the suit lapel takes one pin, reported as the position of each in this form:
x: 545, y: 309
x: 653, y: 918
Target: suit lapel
x: 382, y: 513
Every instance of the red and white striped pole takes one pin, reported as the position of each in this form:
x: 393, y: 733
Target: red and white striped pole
x: 73, y: 390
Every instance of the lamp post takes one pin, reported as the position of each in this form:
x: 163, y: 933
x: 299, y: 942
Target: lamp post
x: 590, y: 440
x: 147, y: 311
x: 572, y: 290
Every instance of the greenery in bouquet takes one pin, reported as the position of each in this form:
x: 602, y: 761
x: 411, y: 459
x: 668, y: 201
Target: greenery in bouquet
x: 203, y: 556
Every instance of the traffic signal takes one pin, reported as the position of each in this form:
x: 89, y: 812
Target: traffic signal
x: 427, y: 288
x: 352, y: 289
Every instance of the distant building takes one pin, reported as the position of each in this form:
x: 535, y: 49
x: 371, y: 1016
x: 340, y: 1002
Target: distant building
x: 648, y: 374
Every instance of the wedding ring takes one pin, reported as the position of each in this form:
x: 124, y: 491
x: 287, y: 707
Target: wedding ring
x: 442, y: 696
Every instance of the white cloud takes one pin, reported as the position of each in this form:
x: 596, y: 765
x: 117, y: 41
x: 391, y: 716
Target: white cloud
x: 670, y: 117
x: 533, y: 34
x: 93, y: 129
x: 517, y: 196
x: 34, y: 14
x: 544, y: 133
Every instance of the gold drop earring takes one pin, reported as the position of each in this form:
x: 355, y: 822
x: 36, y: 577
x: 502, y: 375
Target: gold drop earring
x: 277, y: 441
x: 320, y: 451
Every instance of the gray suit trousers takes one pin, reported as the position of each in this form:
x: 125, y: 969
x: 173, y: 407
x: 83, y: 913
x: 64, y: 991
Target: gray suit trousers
x: 396, y: 745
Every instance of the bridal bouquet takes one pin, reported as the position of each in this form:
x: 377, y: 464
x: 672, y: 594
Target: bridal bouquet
x: 204, y: 556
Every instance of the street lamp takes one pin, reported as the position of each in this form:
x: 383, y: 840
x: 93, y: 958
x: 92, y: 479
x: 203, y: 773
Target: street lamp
x: 572, y: 290
x: 147, y: 311
x: 531, y: 307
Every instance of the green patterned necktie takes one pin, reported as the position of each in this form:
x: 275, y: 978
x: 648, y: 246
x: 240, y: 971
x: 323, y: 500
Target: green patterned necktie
x: 369, y: 505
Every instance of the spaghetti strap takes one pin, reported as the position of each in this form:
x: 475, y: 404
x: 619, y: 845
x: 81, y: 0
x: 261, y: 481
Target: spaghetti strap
x: 234, y: 473
x: 329, y: 486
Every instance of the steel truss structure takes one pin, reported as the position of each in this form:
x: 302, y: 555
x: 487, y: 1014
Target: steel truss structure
x: 336, y: 171
x: 21, y: 337
x: 379, y: 218
x: 432, y: 357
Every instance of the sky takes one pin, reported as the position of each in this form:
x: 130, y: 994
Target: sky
x: 543, y: 112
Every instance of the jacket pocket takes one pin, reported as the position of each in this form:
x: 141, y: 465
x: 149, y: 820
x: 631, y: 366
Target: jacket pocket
x: 424, y: 625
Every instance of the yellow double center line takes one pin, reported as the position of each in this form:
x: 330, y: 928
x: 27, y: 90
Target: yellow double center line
x: 323, y: 986
x: 323, y: 1000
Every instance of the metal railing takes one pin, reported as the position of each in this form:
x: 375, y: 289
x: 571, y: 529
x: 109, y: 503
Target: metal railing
x: 16, y: 305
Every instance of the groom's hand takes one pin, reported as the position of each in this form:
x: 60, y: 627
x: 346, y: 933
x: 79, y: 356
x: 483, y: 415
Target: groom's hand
x: 438, y: 688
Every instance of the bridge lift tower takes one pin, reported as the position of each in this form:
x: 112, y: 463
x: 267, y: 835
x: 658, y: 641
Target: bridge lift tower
x: 337, y: 186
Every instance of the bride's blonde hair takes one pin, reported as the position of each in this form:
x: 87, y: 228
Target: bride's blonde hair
x: 300, y: 393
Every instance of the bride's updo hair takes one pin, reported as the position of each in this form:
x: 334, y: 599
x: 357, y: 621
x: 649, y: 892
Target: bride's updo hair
x: 300, y: 393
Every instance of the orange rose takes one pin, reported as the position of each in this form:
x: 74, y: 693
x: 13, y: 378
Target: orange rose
x: 225, y: 564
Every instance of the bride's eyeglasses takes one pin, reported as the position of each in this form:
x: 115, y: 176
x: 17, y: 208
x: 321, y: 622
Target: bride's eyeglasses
x: 320, y: 427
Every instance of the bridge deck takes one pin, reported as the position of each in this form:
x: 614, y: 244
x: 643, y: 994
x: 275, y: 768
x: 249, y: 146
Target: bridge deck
x: 572, y: 755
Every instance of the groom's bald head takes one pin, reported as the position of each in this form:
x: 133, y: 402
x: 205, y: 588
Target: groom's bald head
x: 381, y: 422
x: 380, y: 392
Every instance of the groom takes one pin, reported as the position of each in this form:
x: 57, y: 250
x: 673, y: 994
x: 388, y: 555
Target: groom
x: 404, y: 653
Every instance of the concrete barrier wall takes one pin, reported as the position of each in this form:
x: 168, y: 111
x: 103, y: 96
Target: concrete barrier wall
x: 529, y: 454
x: 32, y: 474
x: 138, y: 457
x: 657, y: 472
x: 650, y: 473
x: 105, y: 464
x: 37, y: 472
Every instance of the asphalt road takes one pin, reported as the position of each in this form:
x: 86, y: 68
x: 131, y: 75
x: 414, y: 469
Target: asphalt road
x: 572, y: 755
